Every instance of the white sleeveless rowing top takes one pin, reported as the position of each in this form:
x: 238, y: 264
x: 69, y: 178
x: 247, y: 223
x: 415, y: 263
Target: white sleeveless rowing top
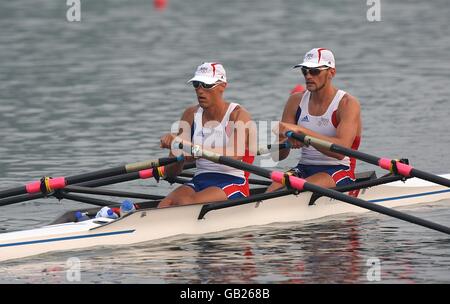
x: 325, y: 125
x: 215, y: 137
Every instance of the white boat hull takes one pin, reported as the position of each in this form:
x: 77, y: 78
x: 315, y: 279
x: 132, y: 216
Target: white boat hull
x: 150, y: 224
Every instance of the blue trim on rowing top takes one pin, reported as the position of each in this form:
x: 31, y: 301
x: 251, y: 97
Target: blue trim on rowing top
x: 408, y: 196
x: 67, y: 238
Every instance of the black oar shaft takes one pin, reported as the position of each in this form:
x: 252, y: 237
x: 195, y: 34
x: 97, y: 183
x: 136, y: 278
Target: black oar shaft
x: 109, y: 192
x: 308, y: 140
x: 87, y: 200
x: 405, y: 170
x: 111, y: 180
x: 430, y: 177
x: 356, y: 154
x: 20, y: 199
x: 92, y: 175
x: 377, y: 208
x: 13, y: 192
x: 301, y: 184
x: 245, y: 166
x: 71, y: 180
x: 340, y: 196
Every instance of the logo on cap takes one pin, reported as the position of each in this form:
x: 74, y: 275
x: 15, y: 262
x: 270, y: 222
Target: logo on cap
x: 317, y: 57
x: 210, y: 72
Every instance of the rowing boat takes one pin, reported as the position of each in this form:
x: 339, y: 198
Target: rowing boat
x: 149, y: 223
x: 301, y: 201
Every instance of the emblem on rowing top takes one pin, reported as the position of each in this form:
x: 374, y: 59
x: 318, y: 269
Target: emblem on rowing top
x: 323, y: 122
x: 305, y: 119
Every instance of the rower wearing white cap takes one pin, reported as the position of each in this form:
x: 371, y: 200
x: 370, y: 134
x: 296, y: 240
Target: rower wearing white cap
x: 212, y: 124
x: 324, y: 112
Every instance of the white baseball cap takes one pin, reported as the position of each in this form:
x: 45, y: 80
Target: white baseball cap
x: 209, y: 73
x: 317, y: 57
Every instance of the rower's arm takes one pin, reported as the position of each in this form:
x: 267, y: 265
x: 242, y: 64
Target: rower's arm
x: 290, y: 109
x: 184, y: 132
x: 243, y: 135
x: 349, y: 113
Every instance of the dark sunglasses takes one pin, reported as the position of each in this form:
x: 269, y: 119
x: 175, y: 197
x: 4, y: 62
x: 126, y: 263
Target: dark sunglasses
x: 197, y: 84
x: 313, y: 71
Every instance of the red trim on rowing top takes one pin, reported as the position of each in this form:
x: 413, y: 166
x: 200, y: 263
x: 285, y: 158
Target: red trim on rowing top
x: 248, y: 158
x: 355, y: 146
x: 334, y: 120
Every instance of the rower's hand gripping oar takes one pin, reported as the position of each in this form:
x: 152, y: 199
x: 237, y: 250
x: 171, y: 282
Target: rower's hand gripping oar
x: 47, y: 185
x: 301, y: 184
x: 385, y: 163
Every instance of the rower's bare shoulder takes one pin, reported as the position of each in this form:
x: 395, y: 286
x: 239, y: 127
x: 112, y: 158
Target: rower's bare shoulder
x: 291, y: 106
x: 189, y: 113
x: 240, y: 113
x: 294, y: 100
x: 349, y: 101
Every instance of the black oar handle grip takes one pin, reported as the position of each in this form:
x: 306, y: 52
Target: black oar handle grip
x: 300, y: 137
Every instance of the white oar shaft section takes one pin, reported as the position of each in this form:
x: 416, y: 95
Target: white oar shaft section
x: 270, y: 148
x: 384, y: 163
x: 301, y: 184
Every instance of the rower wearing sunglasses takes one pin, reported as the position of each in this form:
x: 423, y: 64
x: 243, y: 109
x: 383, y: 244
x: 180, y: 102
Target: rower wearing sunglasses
x: 214, y: 124
x: 324, y: 112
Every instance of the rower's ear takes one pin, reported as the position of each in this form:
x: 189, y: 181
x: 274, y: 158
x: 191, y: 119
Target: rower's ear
x: 332, y: 73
